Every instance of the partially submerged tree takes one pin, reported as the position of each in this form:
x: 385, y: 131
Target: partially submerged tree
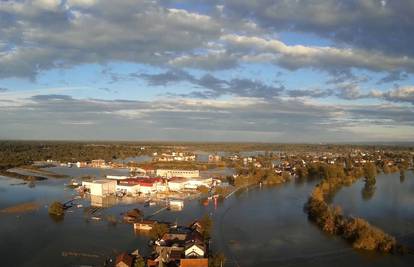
x: 56, y: 209
x: 158, y: 230
x: 207, y: 225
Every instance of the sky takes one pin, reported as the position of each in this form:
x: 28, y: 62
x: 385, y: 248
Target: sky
x: 299, y: 71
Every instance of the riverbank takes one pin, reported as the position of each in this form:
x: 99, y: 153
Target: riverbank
x: 21, y: 208
x: 30, y: 173
x: 16, y: 175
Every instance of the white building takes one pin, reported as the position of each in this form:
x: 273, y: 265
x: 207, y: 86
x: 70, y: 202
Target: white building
x: 178, y: 173
x: 197, y: 182
x: 117, y: 177
x: 177, y: 183
x: 132, y: 189
x: 101, y: 187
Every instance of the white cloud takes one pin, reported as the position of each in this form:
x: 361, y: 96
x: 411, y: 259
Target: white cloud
x: 81, y: 3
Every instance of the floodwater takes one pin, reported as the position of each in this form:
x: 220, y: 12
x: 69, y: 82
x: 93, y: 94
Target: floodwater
x: 258, y: 227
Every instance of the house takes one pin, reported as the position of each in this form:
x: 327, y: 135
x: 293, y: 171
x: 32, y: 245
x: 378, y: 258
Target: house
x: 194, y: 262
x: 194, y: 250
x: 133, y: 216
x: 124, y: 260
x: 197, y: 226
x: 214, y: 158
x: 98, y: 163
x: 81, y: 164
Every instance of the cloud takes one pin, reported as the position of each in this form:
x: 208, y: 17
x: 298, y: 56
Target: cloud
x: 52, y: 97
x: 366, y: 24
x: 81, y: 3
x: 402, y: 94
x: 213, y: 86
x: 330, y: 59
x: 208, y: 61
x: 47, y: 34
x: 316, y: 93
x: 2, y: 89
x: 393, y: 77
x: 140, y: 32
x: 236, y: 118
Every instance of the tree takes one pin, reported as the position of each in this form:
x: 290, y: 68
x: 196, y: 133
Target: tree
x: 370, y: 171
x: 368, y: 191
x: 207, y: 225
x: 386, y: 168
x: 56, y: 209
x: 203, y: 189
x: 402, y: 176
x: 139, y: 261
x: 217, y: 260
x: 302, y: 173
x: 158, y: 230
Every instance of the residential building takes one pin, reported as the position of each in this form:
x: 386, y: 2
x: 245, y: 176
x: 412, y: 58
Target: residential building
x: 98, y: 163
x: 124, y: 260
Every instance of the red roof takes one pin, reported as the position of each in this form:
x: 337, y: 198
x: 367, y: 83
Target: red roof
x: 194, y: 262
x: 141, y: 181
x: 124, y: 258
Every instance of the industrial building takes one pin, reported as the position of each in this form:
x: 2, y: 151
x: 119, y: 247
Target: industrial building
x: 178, y: 173
x: 100, y: 187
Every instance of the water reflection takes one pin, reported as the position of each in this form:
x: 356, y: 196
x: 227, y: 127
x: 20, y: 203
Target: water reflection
x: 368, y: 191
x: 57, y: 219
x: 103, y: 202
x: 402, y: 176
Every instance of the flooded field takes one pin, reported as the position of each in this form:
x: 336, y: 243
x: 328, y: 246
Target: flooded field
x: 257, y: 227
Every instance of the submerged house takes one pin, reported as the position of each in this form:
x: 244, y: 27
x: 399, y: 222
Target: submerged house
x: 133, y: 216
x: 124, y: 260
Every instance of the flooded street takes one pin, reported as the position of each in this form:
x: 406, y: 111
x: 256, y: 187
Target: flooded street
x: 258, y: 227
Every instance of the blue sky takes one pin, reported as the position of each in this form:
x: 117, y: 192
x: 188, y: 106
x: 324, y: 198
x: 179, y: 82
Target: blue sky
x: 274, y: 71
